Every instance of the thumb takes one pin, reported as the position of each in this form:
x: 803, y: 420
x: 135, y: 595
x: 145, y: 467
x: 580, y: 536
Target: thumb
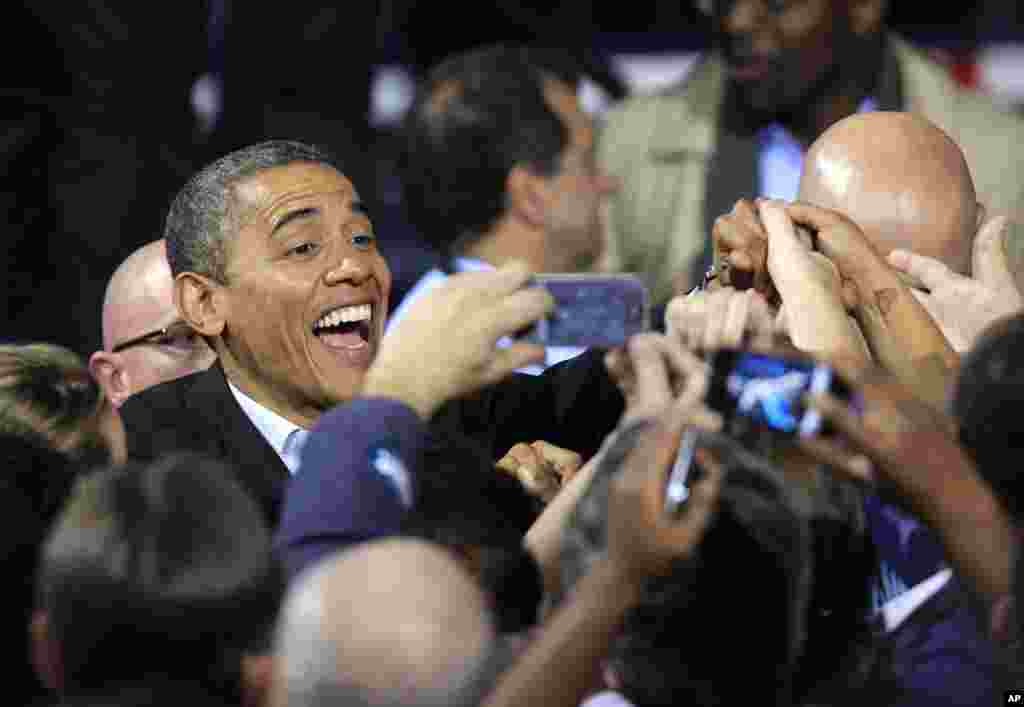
x: 989, y: 255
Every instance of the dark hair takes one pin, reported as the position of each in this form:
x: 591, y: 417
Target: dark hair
x: 159, y: 570
x: 48, y: 394
x: 988, y: 404
x: 476, y: 116
x: 750, y: 591
x: 462, y: 500
x: 36, y: 481
x: 198, y: 229
x: 152, y: 692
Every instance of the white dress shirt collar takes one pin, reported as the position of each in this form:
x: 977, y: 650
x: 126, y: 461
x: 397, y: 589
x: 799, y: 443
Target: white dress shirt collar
x: 282, y: 434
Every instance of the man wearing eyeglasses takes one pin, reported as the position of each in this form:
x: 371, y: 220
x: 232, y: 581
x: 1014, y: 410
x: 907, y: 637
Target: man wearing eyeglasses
x: 145, y: 342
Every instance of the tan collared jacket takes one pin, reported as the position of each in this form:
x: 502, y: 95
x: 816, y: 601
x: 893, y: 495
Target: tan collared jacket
x: 663, y: 146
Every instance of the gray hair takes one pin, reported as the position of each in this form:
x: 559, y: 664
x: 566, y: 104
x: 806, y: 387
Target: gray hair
x: 198, y: 226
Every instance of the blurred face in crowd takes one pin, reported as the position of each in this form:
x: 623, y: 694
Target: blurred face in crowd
x: 146, y: 342
x: 302, y: 314
x: 575, y: 192
x: 780, y: 51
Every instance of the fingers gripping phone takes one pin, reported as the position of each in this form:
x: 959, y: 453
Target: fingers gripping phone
x: 757, y: 391
x: 591, y: 310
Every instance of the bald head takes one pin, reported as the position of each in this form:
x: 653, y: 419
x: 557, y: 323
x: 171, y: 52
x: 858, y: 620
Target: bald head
x: 388, y: 622
x: 140, y: 288
x: 901, y: 179
x: 139, y: 314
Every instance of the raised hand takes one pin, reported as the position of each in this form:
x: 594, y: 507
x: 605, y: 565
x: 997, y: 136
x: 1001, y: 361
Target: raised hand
x: 963, y: 306
x: 644, y: 540
x: 721, y: 318
x: 741, y: 248
x: 445, y: 346
x: 655, y: 373
x: 543, y: 468
x: 811, y: 290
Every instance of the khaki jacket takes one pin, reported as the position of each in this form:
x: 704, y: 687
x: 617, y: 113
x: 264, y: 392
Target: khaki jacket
x: 664, y: 146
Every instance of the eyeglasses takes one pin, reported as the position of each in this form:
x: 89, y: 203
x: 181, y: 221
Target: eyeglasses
x: 166, y: 336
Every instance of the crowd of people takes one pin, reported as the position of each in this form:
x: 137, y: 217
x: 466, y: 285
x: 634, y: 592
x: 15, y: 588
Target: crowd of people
x: 273, y: 486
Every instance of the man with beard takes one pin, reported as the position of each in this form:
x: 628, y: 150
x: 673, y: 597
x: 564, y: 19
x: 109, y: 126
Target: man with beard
x: 739, y: 125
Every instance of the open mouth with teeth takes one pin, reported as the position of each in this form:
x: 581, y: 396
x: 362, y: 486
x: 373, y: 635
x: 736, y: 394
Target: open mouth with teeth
x: 345, y: 327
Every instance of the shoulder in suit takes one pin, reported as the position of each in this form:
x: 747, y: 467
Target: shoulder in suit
x: 198, y: 413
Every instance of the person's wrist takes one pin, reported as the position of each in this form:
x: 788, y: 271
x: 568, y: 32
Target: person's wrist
x: 382, y: 384
x: 616, y: 575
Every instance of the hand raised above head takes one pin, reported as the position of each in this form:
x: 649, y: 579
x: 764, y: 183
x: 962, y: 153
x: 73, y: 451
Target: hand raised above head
x: 543, y: 468
x: 839, y: 239
x: 643, y: 539
x: 740, y: 246
x: 963, y: 306
x: 655, y: 373
x: 810, y: 288
x: 445, y: 346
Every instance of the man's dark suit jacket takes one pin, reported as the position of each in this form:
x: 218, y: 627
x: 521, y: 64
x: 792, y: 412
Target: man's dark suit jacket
x: 573, y: 405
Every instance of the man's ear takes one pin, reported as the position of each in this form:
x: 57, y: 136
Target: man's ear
x: 257, y: 679
x: 202, y: 303
x: 46, y: 652
x: 866, y: 16
x: 527, y: 195
x: 112, y: 375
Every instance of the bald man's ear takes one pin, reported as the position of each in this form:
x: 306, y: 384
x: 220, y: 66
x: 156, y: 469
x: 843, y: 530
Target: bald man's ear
x: 257, y: 680
x: 526, y: 194
x: 109, y: 371
x: 867, y: 16
x: 202, y: 303
x: 46, y: 658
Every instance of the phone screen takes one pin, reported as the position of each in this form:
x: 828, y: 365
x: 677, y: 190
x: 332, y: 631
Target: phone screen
x: 769, y: 390
x: 591, y: 310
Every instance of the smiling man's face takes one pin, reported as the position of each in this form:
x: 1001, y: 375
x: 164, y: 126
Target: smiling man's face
x: 306, y: 293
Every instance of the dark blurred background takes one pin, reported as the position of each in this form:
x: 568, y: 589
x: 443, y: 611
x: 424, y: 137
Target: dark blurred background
x: 112, y: 104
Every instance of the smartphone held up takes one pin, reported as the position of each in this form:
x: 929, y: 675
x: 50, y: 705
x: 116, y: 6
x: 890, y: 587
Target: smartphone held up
x: 592, y: 310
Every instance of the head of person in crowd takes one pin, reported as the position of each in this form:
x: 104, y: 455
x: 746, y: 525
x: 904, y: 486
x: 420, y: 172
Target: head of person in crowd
x: 145, y: 340
x: 480, y: 514
x: 498, y: 161
x: 797, y: 60
x: 276, y: 264
x: 34, y: 486
x: 901, y: 179
x: 47, y: 393
x: 158, y: 580
x: 986, y: 402
x: 389, y: 622
x: 795, y: 629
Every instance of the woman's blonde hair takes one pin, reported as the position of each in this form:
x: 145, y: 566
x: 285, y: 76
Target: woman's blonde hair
x: 47, y: 393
